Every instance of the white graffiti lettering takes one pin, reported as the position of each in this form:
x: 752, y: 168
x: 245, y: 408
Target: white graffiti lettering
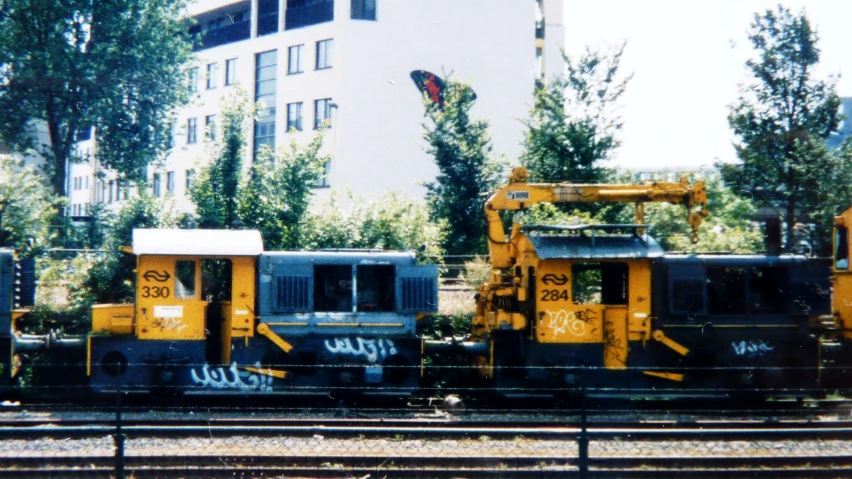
x: 372, y: 350
x: 169, y: 324
x: 562, y: 322
x: 751, y: 348
x: 232, y: 378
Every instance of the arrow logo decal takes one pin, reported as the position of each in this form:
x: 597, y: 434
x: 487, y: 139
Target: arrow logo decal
x: 157, y: 276
x: 554, y: 280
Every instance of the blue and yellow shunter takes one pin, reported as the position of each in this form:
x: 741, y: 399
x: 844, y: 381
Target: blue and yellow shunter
x: 215, y: 314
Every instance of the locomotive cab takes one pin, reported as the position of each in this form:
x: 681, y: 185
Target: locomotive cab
x: 195, y: 293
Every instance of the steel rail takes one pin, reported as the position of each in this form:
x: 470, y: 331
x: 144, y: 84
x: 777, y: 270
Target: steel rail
x: 745, y: 431
x: 214, y: 466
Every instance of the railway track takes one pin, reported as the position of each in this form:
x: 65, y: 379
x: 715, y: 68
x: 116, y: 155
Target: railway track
x: 427, y: 448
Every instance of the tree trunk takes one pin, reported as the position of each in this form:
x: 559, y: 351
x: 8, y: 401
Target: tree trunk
x: 790, y: 219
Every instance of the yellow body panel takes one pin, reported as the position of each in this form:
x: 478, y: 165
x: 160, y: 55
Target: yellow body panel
x: 639, y: 306
x: 560, y: 320
x: 112, y: 319
x: 242, y: 296
x: 160, y: 311
x: 842, y: 269
x: 615, y: 337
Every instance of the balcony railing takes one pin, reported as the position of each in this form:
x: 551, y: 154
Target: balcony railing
x: 267, y: 23
x: 234, y: 32
x: 311, y: 13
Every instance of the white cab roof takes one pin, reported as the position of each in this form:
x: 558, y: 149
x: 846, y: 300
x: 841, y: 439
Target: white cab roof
x: 197, y: 242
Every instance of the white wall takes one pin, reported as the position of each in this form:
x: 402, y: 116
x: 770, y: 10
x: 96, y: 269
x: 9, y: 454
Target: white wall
x: 376, y: 136
x: 490, y: 48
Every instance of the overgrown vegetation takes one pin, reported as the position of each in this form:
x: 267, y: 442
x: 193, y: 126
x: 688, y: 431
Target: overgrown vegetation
x: 27, y: 209
x: 781, y: 121
x: 392, y: 221
x: 467, y: 170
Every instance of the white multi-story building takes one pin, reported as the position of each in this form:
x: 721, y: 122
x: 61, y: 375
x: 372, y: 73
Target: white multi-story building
x: 349, y: 62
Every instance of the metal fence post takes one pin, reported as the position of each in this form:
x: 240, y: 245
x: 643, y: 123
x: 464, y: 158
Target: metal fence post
x: 118, y: 437
x: 583, y: 438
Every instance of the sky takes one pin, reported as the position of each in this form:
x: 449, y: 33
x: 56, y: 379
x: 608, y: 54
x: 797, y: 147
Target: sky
x: 688, y: 58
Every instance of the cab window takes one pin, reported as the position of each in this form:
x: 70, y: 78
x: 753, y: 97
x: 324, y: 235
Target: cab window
x: 185, y: 279
x: 599, y: 283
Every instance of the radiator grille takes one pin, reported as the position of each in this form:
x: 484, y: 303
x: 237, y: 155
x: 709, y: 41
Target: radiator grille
x: 293, y: 293
x: 418, y: 295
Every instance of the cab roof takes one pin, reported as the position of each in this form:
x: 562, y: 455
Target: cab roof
x: 197, y: 242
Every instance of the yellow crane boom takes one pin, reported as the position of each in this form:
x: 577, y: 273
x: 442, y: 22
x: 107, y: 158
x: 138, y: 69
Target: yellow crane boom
x: 518, y: 195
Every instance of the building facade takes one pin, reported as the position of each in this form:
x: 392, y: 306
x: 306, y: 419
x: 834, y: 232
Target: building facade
x: 347, y: 63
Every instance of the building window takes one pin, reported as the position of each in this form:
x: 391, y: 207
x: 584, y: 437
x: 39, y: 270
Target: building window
x: 294, y: 54
x: 191, y: 130
x: 230, y: 71
x: 83, y: 134
x: 156, y: 184
x: 189, y: 175
x: 111, y: 190
x: 324, y: 50
x: 210, y: 127
x: 363, y: 9
x: 126, y: 190
x: 267, y: 17
x: 212, y: 73
x: 303, y: 13
x: 294, y: 116
x: 170, y: 181
x: 325, y: 181
x: 265, y: 89
x: 193, y: 80
x: 322, y: 112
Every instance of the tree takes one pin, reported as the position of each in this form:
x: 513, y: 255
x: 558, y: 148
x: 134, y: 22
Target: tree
x: 117, y: 65
x: 281, y: 183
x: 833, y: 197
x: 110, y: 278
x: 215, y: 193
x: 782, y: 118
x: 26, y: 207
x: 573, y: 123
x: 391, y: 222
x: 728, y: 228
x: 467, y: 174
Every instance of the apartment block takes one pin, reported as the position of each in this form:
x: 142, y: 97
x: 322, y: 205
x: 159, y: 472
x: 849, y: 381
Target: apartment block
x: 347, y: 64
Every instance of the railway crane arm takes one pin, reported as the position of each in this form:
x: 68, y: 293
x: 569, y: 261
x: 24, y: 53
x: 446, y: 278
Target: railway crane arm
x: 518, y: 195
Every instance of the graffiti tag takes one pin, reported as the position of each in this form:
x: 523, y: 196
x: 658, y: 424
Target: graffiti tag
x: 612, y: 345
x: 562, y: 321
x: 751, y: 348
x: 372, y: 350
x: 231, y: 378
x: 169, y: 324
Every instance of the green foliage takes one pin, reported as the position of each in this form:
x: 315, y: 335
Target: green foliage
x: 573, y: 123
x: 27, y: 208
x: 833, y: 197
x: 467, y: 173
x: 59, y: 284
x: 391, y: 222
x: 281, y: 185
x: 110, y: 278
x: 781, y: 120
x: 117, y: 65
x: 476, y: 272
x: 728, y: 228
x: 215, y: 192
x: 551, y: 214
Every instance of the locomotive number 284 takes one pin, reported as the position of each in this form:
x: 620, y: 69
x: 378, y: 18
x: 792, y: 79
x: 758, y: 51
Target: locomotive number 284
x: 554, y: 295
